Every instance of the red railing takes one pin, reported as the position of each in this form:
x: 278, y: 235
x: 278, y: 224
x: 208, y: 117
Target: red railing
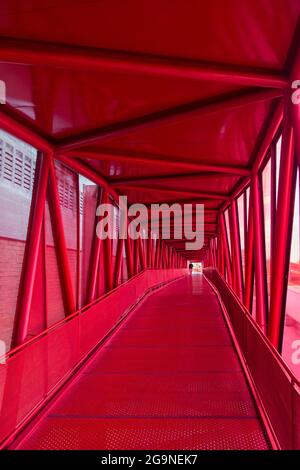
x: 277, y: 387
x: 30, y: 373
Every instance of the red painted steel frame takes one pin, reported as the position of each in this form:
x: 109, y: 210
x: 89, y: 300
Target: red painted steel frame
x: 168, y: 116
x: 283, y: 231
x: 249, y: 266
x: 118, y: 263
x: 60, y: 244
x: 31, y: 253
x: 236, y: 250
x: 216, y: 251
x: 259, y: 253
x: 95, y: 259
x: 150, y: 160
x: 59, y: 56
x: 226, y: 248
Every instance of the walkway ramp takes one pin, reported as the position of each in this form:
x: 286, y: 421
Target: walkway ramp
x: 168, y: 378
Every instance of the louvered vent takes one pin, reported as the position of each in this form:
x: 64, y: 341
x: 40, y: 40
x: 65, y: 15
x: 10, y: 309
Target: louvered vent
x: 16, y: 167
x: 66, y: 193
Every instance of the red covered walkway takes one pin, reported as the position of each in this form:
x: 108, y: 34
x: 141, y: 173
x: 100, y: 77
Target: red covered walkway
x: 190, y: 107
x: 168, y: 378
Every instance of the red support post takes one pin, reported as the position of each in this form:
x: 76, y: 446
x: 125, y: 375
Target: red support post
x: 148, y: 251
x: 283, y: 231
x: 158, y: 252
x: 118, y: 262
x: 261, y: 289
x: 226, y: 248
x: 249, y: 268
x: 60, y: 242
x: 97, y: 243
x: 32, y: 250
x: 129, y: 257
x: 274, y: 169
x: 108, y: 268
x: 236, y: 250
x: 136, y: 256
x: 141, y: 253
x: 295, y: 101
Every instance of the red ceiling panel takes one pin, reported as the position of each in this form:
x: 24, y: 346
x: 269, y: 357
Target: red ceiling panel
x: 232, y: 31
x: 67, y: 102
x: 64, y: 102
x: 226, y: 137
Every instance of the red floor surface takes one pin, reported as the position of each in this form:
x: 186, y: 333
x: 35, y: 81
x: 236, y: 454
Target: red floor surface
x: 169, y: 378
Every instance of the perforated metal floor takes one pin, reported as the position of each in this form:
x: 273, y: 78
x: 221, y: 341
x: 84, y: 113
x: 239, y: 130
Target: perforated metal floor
x: 169, y: 378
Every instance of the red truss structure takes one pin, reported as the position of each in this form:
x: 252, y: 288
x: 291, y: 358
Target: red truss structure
x: 117, y: 343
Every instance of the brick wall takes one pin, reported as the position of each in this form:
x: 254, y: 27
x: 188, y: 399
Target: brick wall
x: 11, y: 259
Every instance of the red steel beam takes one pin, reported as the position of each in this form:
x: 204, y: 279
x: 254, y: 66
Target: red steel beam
x: 89, y: 173
x: 118, y: 262
x: 22, y: 132
x: 158, y: 253
x: 249, y: 267
x: 97, y: 243
x: 260, y: 253
x: 226, y: 248
x: 179, y: 177
x: 168, y: 116
x: 283, y: 231
x: 158, y: 161
x: 295, y: 94
x: 60, y: 242
x: 55, y: 55
x: 236, y: 250
x: 107, y: 242
x: 129, y: 257
x: 141, y: 254
x: 173, y: 191
x: 135, y: 256
x: 22, y: 316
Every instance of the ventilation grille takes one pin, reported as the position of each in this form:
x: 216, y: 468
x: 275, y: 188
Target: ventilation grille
x: 16, y: 167
x: 67, y: 194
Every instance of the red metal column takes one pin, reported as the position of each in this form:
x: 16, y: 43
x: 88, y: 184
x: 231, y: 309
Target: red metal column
x: 283, y: 232
x: 141, y: 254
x: 236, y: 250
x: 60, y: 242
x: 129, y: 258
x: 249, y: 269
x: 32, y: 249
x: 295, y: 106
x: 78, y: 257
x: 260, y: 253
x: 222, y: 255
x: 136, y: 256
x: 158, y: 252
x: 96, y: 248
x: 118, y: 262
x: 226, y: 248
x: 148, y: 251
x: 273, y: 198
x: 107, y: 253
